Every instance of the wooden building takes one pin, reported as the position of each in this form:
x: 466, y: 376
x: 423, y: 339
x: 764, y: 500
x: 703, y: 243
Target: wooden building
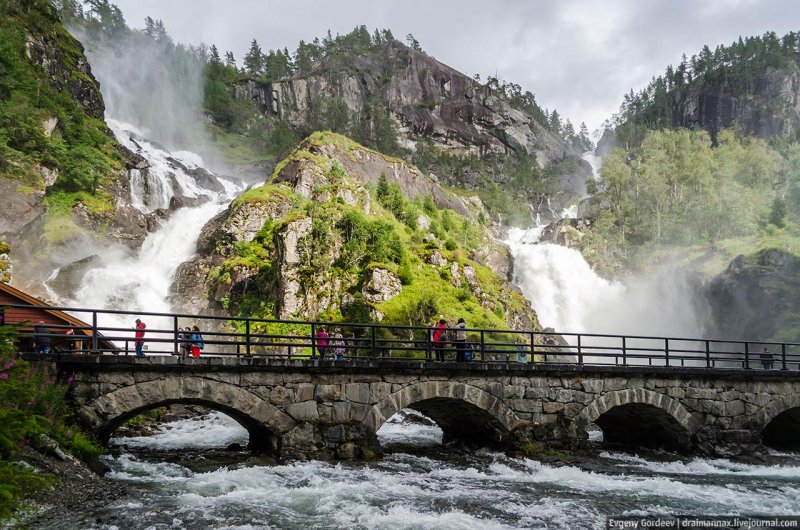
x: 68, y: 332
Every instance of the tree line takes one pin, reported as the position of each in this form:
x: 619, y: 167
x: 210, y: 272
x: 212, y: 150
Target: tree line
x: 738, y: 67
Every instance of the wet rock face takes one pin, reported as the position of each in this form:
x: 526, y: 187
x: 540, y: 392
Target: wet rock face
x: 43, y: 50
x: 19, y: 208
x: 428, y: 99
x: 69, y: 277
x: 773, y: 107
x: 756, y: 296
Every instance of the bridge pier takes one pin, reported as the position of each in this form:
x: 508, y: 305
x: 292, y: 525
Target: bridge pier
x: 332, y: 410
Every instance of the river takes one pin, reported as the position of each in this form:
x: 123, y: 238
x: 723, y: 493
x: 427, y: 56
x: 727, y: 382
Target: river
x: 176, y: 480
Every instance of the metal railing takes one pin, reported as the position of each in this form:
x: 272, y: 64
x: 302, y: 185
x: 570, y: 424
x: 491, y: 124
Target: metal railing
x: 293, y: 339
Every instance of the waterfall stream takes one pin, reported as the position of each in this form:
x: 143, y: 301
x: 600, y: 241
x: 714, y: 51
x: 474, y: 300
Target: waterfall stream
x: 140, y: 281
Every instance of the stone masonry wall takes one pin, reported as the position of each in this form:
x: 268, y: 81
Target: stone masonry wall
x: 333, y: 411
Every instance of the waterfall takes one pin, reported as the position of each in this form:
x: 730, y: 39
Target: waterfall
x: 569, y: 296
x: 141, y: 281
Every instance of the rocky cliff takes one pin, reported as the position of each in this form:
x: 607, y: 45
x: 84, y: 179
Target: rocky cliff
x: 427, y: 99
x: 772, y: 108
x: 341, y: 232
x: 752, y: 85
x: 757, y: 297
x: 63, y: 177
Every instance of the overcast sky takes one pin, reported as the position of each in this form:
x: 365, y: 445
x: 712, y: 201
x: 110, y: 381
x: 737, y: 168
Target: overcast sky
x: 578, y: 56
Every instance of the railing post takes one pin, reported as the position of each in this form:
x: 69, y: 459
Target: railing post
x: 666, y: 352
x: 708, y: 354
x: 483, y: 348
x: 374, y: 347
x: 247, y: 337
x: 624, y: 351
x: 747, y: 355
x: 175, y: 333
x: 94, y: 334
x: 580, y: 351
x: 428, y: 344
x: 783, y: 355
x: 533, y: 347
x: 313, y: 341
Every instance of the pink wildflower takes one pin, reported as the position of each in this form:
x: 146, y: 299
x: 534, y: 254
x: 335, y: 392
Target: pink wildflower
x: 3, y: 376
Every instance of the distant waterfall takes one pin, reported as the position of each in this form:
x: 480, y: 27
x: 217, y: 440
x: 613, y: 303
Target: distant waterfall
x: 569, y: 296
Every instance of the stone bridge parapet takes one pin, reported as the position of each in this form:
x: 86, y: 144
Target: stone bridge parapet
x: 308, y: 409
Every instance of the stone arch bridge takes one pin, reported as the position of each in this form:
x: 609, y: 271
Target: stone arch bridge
x: 308, y: 409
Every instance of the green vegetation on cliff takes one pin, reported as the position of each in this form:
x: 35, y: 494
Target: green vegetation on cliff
x: 731, y: 71
x: 42, y: 125
x: 330, y: 233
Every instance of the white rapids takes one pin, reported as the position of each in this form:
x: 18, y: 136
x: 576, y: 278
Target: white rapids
x: 483, y: 489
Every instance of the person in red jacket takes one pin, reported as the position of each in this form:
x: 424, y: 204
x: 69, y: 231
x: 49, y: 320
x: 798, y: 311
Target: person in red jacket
x: 321, y: 339
x: 140, y: 326
x: 438, y: 337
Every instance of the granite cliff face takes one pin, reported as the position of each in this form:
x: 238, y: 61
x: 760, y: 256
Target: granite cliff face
x: 427, y: 100
x: 769, y: 106
x: 45, y: 234
x: 342, y: 232
x: 757, y: 297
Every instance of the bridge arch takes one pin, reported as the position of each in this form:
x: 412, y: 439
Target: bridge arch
x: 463, y: 411
x: 779, y: 423
x: 640, y: 417
x: 263, y: 421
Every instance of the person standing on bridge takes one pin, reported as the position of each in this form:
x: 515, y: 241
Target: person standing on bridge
x: 139, y: 336
x: 321, y: 339
x: 337, y: 345
x: 41, y: 338
x: 460, y: 340
x: 196, y: 340
x: 438, y: 337
x: 766, y: 359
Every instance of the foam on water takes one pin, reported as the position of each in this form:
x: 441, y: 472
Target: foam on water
x: 706, y: 466
x: 490, y: 490
x: 204, y: 432
x: 399, y: 430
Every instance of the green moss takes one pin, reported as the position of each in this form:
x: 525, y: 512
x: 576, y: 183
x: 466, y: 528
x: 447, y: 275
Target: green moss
x: 273, y: 193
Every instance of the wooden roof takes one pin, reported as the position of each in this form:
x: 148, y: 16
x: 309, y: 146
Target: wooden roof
x: 39, y: 310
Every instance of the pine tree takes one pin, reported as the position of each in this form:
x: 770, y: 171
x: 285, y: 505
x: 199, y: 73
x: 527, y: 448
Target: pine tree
x: 254, y: 60
x: 213, y: 55
x: 230, y: 62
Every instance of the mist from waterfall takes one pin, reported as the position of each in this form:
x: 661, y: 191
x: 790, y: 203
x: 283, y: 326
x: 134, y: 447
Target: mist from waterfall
x: 569, y: 296
x: 153, y: 93
x: 151, y: 83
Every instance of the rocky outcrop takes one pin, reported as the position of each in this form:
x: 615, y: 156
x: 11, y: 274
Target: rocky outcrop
x: 771, y: 108
x: 382, y: 286
x: 757, y: 297
x: 304, y: 244
x: 69, y: 277
x: 567, y: 232
x: 62, y: 58
x: 427, y: 99
x: 21, y: 205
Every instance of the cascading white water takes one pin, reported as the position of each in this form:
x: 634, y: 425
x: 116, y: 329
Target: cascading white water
x: 154, y: 187
x: 569, y: 296
x: 141, y: 281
